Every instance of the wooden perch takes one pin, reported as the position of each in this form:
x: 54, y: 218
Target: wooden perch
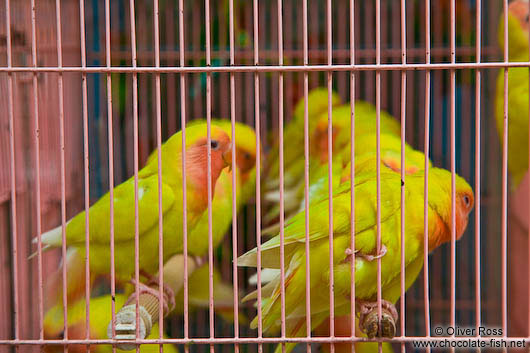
x: 149, y: 303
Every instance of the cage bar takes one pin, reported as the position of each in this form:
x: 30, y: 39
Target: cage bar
x: 62, y: 171
x: 478, y: 76
x: 329, y: 43
x: 36, y: 142
x: 306, y: 178
x: 352, y: 174
x: 281, y: 176
x: 234, y: 180
x: 13, y: 195
x: 504, y: 214
x: 402, y: 197
x: 453, y: 170
x: 257, y: 123
x: 426, y: 142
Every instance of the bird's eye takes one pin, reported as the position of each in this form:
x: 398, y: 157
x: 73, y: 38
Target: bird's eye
x: 214, y: 144
x: 61, y: 335
x: 467, y: 200
x: 247, y: 155
x: 527, y: 18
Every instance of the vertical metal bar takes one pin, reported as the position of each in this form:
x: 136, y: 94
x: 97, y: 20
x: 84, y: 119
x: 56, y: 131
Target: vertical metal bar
x: 453, y: 168
x: 158, y: 108
x: 86, y: 169
x: 170, y: 81
x: 62, y: 168
x: 36, y: 142
x: 14, y: 228
x: 504, y: 224
x: 528, y: 279
x: 378, y: 157
x: 352, y: 173
x: 184, y: 193
x: 234, y: 181
x: 478, y: 30
x: 306, y: 179
x: 330, y: 176
x: 209, y: 171
x: 280, y: 134
x: 258, y: 168
x: 403, y: 28
x: 135, y: 166
x: 111, y: 168
x: 426, y: 298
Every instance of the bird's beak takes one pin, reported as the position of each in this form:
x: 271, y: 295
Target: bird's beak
x: 227, y: 158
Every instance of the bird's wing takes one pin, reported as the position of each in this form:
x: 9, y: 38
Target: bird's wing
x: 124, y: 212
x: 365, y: 211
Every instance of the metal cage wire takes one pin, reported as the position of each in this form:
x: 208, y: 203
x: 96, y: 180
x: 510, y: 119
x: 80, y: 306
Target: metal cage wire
x: 87, y: 78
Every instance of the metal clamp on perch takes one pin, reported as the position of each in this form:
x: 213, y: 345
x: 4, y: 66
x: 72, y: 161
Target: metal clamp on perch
x: 149, y: 303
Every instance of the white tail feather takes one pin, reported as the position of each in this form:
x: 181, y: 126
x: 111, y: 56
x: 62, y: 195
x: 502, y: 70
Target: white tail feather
x: 53, y: 237
x: 50, y: 239
x: 267, y: 275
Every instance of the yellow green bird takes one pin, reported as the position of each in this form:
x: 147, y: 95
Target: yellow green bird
x: 100, y: 316
x: 365, y: 130
x: 293, y: 135
x: 245, y: 169
x: 439, y: 213
x: 172, y: 209
x: 518, y: 94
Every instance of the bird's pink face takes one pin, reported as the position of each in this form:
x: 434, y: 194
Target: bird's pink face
x: 464, y: 204
x: 319, y: 140
x: 221, y: 156
x: 520, y: 10
x: 197, y: 165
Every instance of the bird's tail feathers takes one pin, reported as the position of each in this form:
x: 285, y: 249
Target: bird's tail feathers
x: 267, y: 275
x: 50, y: 239
x: 36, y: 252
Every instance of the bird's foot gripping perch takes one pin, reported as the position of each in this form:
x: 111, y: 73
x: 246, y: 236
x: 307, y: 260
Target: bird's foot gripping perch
x: 148, y: 311
x: 148, y: 299
x: 369, y: 318
x: 367, y: 257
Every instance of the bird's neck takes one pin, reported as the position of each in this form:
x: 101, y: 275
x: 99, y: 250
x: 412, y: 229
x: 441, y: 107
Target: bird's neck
x: 439, y: 231
x: 197, y: 179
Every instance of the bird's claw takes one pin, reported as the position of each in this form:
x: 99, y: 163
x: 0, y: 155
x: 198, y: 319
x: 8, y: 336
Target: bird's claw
x: 199, y: 261
x: 168, y: 293
x: 369, y: 322
x: 367, y: 257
